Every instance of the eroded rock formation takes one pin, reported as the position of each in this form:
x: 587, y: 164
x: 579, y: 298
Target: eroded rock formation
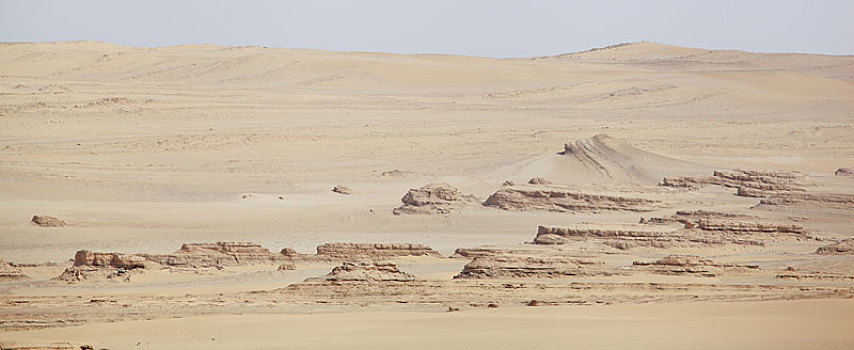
x: 89, y: 265
x: 563, y: 200
x: 844, y: 172
x: 693, y: 217
x: 47, y: 221
x: 839, y: 200
x: 539, y: 181
x: 690, y: 264
x: 108, y: 260
x: 437, y: 198
x: 489, y: 251
x: 373, y: 250
x: 341, y: 189
x: 631, y: 236
x: 845, y: 246
x: 729, y: 222
x: 202, y: 255
x: 514, y: 266
x: 9, y: 272
x: 749, y: 183
x: 365, y: 272
x: 742, y: 227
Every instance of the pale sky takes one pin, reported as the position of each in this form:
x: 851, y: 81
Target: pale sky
x: 494, y: 28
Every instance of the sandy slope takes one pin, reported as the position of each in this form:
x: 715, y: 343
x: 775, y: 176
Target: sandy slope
x: 142, y: 149
x: 147, y: 141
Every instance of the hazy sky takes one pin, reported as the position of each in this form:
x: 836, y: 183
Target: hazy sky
x: 483, y: 28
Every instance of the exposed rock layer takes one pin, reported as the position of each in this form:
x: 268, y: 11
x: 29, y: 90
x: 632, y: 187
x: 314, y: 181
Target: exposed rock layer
x: 845, y: 246
x: 341, y: 189
x: 563, y: 200
x: 690, y: 264
x: 373, y: 250
x: 843, y: 201
x: 365, y: 272
x: 218, y: 254
x: 9, y: 272
x: 513, y: 266
x: 108, y: 260
x: 844, y: 172
x: 47, y: 221
x: 748, y: 182
x: 437, y: 198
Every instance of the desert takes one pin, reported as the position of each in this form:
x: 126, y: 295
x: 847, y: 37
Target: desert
x: 639, y: 195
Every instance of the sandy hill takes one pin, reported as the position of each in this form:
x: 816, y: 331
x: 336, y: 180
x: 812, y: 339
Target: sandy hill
x: 88, y: 125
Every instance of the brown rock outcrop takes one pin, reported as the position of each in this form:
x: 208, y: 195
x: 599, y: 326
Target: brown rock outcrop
x: 563, y: 200
x: 741, y: 227
x: 89, y: 265
x: 539, y: 181
x: 627, y: 237
x: 531, y: 267
x: 9, y: 272
x: 749, y: 183
x: 690, y: 264
x: 76, y: 274
x: 488, y: 251
x: 844, y: 172
x: 108, y: 260
x: 678, y: 260
x: 341, y: 189
x: 725, y: 222
x: 202, y: 255
x: 845, y: 246
x: 570, y: 232
x: 434, y: 198
x: 844, y: 201
x: 289, y: 252
x: 815, y: 276
x: 47, y: 221
x: 365, y: 272
x: 691, y: 218
x: 373, y: 250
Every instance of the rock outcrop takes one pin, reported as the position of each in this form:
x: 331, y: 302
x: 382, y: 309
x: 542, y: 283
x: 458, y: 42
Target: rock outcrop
x: 341, y: 189
x: 845, y: 246
x: 690, y: 264
x: 437, y: 198
x: 95, y: 265
x: 839, y: 200
x: 373, y: 250
x: 631, y: 236
x: 693, y: 217
x: 9, y: 272
x: 365, y: 272
x: 844, y: 172
x: 563, y: 200
x: 47, y: 221
x: 512, y: 266
x: 203, y: 255
x: 815, y: 276
x: 749, y: 183
x: 489, y: 251
x: 744, y: 227
x: 108, y: 260
x: 736, y: 224
x: 539, y: 181
x: 191, y: 255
